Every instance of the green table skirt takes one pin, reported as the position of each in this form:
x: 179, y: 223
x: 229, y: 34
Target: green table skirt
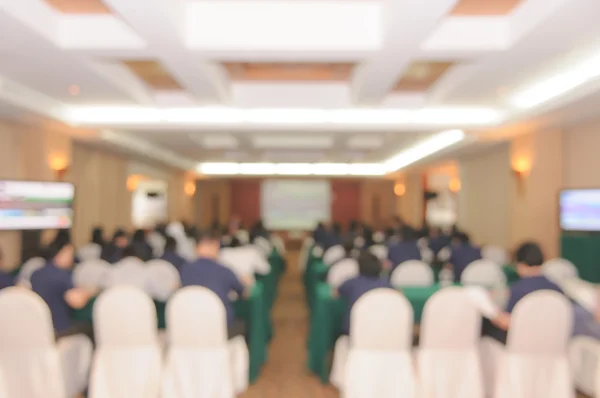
x: 250, y: 310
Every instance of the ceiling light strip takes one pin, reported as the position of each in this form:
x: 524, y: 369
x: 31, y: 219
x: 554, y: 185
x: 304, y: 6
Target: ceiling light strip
x: 292, y: 169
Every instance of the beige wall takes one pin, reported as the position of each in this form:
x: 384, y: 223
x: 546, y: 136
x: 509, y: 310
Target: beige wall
x: 377, y: 201
x: 581, y: 145
x: 484, y: 208
x: 410, y: 205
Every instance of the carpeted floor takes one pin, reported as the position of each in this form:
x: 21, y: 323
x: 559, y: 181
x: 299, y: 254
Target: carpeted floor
x: 285, y: 374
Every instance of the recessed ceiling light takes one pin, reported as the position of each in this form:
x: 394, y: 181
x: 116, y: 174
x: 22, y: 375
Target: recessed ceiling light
x: 74, y: 89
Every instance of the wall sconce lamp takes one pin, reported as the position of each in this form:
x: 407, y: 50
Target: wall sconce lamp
x: 190, y: 188
x: 60, y: 165
x: 521, y: 168
x: 133, y: 181
x: 454, y: 185
x: 399, y: 189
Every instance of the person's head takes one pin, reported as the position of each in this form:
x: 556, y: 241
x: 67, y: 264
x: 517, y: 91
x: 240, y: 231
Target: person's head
x: 337, y: 228
x: 369, y: 264
x: 192, y: 231
x: 170, y: 244
x: 209, y: 243
x: 62, y: 237
x: 138, y: 236
x: 409, y: 235
x: 235, y: 242
x: 529, y: 259
x: 460, y: 239
x: 348, y: 245
x: 98, y: 236
x: 120, y: 239
x: 132, y: 251
x: 62, y: 254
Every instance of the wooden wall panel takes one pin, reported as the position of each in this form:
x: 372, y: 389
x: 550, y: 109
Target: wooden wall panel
x: 378, y: 202
x: 181, y: 206
x: 246, y: 200
x: 346, y: 201
x: 213, y: 201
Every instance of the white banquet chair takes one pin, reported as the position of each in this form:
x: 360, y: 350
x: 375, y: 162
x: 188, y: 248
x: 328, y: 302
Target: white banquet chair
x: 495, y: 254
x: 333, y: 254
x: 92, y: 274
x: 559, y: 269
x: 129, y: 271
x: 243, y: 236
x: 376, y: 360
x: 448, y: 354
x: 30, y: 362
x: 278, y: 244
x: 584, y: 358
x: 28, y: 268
x: 201, y: 363
x: 534, y: 362
x: 162, y: 279
x: 157, y: 242
x: 483, y: 273
x: 412, y: 273
x: 264, y: 245
x: 245, y: 261
x: 341, y: 271
x: 127, y: 362
x: 379, y: 251
x: 89, y: 251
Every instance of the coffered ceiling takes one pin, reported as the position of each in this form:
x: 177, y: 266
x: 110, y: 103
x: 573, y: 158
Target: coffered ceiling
x: 329, y: 81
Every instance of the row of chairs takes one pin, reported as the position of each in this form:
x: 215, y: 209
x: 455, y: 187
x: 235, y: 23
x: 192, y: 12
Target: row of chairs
x: 451, y: 360
x: 129, y: 361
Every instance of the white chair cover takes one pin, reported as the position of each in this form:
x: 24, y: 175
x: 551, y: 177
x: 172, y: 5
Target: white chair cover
x: 245, y: 261
x: 412, y: 273
x: 483, y: 273
x: 29, y: 361
x: 359, y: 242
x: 584, y: 293
x: 495, y: 254
x: 157, y: 243
x: 129, y: 271
x: 380, y: 251
x: 534, y: 362
x: 127, y: 361
x: 264, y: 245
x: 341, y: 271
x: 243, y: 236
x: 92, y: 274
x: 185, y: 247
x: 90, y: 251
x: 333, y: 254
x: 444, y: 254
x: 200, y: 363
x: 307, y: 245
x: 448, y: 353
x: 427, y: 255
x: 423, y: 243
x: 76, y: 356
x: 584, y: 357
x: 379, y: 238
x: 30, y: 266
x: 379, y: 361
x: 559, y: 269
x: 162, y: 279
x: 278, y: 244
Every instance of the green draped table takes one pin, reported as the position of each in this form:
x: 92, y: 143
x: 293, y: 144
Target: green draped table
x: 250, y: 310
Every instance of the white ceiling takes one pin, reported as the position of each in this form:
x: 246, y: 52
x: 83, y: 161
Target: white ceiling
x: 45, y: 52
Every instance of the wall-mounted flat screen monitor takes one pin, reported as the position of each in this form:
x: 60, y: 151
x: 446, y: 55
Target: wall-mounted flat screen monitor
x: 580, y: 210
x: 36, y: 205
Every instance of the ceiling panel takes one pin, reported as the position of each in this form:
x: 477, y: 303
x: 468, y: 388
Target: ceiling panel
x: 420, y: 76
x: 153, y: 74
x: 485, y: 7
x: 79, y: 6
x: 240, y: 71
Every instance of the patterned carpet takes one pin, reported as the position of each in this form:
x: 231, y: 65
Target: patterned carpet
x: 285, y: 374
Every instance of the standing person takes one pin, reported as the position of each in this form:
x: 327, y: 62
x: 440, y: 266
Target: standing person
x: 54, y: 284
x: 207, y: 272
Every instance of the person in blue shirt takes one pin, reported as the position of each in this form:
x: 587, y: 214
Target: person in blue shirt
x: 53, y: 283
x: 207, y: 272
x: 529, y: 258
x: 404, y: 250
x: 170, y: 253
x: 368, y: 279
x: 463, y: 254
x: 113, y: 252
x: 6, y: 279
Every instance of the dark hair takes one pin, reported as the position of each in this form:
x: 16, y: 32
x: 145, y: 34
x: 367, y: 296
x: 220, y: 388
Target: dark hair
x: 170, y: 244
x: 369, y: 264
x: 409, y: 234
x: 119, y: 233
x: 139, y: 236
x: 206, y: 236
x: 98, y: 236
x: 133, y: 251
x: 62, y: 237
x: 55, y: 248
x: 348, y: 245
x: 462, y: 237
x: 235, y: 242
x: 530, y: 253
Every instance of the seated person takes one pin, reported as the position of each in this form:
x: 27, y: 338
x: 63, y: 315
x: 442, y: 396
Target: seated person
x: 368, y: 279
x: 207, y: 272
x: 6, y: 279
x: 170, y: 253
x: 143, y: 248
x: 463, y: 254
x: 404, y: 250
x: 54, y: 284
x: 98, y: 237
x: 529, y: 258
x: 350, y: 251
x: 319, y: 234
x: 437, y: 240
x: 113, y: 252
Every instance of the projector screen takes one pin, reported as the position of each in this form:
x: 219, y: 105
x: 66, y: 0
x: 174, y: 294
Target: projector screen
x: 295, y: 204
x: 580, y: 210
x: 36, y: 205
